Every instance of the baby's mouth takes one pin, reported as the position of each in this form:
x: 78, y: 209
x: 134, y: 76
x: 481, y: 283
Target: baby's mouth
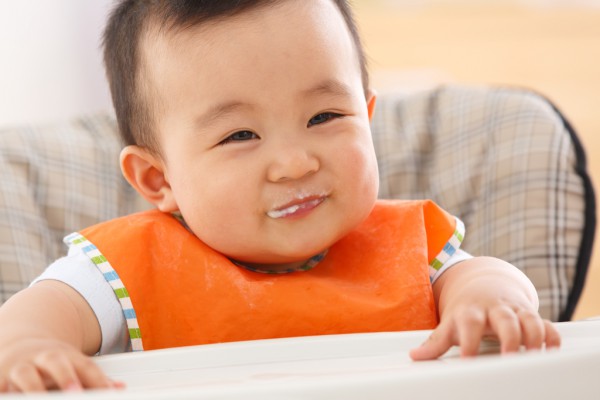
x: 296, y: 207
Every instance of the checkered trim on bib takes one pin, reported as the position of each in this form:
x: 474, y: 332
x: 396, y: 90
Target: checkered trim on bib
x: 111, y: 276
x: 449, y: 249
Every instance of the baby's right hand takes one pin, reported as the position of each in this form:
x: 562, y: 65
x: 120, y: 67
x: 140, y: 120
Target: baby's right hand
x: 34, y: 365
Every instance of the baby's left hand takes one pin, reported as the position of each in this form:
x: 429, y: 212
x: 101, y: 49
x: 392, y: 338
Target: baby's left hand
x: 490, y: 300
x: 469, y: 326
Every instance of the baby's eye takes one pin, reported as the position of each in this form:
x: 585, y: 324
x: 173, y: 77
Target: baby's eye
x: 321, y: 118
x: 239, y: 137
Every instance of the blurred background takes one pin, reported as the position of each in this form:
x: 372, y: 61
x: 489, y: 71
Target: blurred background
x: 51, y: 65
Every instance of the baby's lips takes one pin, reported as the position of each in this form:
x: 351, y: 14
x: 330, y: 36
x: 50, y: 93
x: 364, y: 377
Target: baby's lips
x: 295, y: 207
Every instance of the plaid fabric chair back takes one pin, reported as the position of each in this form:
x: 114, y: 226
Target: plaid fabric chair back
x: 56, y: 179
x: 510, y: 166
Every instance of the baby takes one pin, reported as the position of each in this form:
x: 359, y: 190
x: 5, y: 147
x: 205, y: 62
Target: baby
x: 246, y: 124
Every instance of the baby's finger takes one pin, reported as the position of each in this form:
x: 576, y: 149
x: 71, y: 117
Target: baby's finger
x: 25, y: 378
x: 470, y: 327
x: 532, y: 329
x: 506, y: 326
x: 3, y: 384
x: 552, y: 337
x: 92, y: 376
x: 436, y: 345
x: 58, y: 370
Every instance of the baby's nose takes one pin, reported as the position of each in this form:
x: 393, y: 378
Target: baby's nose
x: 294, y: 162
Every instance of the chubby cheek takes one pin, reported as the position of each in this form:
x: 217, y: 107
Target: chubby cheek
x: 219, y: 209
x: 356, y: 188
x: 361, y: 176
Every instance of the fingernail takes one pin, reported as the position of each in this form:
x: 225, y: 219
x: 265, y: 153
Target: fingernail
x: 74, y: 387
x: 117, y: 384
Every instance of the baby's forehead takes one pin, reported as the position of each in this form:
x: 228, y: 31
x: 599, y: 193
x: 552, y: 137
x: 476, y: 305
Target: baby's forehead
x: 240, y: 56
x: 165, y: 36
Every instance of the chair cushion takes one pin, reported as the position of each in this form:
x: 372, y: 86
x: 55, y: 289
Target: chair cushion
x: 505, y: 162
x: 56, y: 179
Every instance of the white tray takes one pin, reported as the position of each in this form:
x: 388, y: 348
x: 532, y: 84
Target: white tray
x: 359, y: 366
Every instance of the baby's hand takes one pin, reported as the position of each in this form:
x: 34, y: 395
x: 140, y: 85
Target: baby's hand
x: 469, y: 325
x: 484, y: 297
x: 34, y: 365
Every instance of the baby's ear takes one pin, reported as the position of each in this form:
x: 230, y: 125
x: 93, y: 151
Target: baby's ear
x: 371, y: 100
x: 146, y: 173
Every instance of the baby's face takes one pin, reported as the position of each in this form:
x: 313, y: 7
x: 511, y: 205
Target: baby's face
x: 264, y: 131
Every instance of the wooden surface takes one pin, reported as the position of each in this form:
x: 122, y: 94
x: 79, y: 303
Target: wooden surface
x: 553, y: 50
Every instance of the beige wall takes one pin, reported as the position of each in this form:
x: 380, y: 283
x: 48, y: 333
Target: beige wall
x: 552, y: 49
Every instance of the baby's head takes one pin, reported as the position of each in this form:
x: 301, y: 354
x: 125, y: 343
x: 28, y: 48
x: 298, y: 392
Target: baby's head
x: 250, y: 117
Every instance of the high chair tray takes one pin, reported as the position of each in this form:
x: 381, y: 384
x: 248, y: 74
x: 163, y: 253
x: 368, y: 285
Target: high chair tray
x: 357, y: 366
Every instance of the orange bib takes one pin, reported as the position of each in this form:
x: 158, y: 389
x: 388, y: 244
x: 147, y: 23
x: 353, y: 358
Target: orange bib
x: 184, y: 293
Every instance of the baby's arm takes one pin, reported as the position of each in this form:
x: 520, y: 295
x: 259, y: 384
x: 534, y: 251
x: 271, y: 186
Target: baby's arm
x: 47, y: 330
x: 482, y: 297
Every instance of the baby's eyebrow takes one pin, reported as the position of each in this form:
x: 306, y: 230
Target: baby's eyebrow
x: 219, y: 111
x: 329, y: 87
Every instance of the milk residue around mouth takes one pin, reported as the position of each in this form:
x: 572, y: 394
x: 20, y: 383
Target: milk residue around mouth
x: 280, y: 213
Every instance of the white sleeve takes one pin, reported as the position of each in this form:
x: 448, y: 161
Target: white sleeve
x: 78, y: 271
x: 458, y: 256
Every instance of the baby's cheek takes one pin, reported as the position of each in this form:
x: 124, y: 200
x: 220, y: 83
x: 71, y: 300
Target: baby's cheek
x: 362, y: 163
x: 361, y: 182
